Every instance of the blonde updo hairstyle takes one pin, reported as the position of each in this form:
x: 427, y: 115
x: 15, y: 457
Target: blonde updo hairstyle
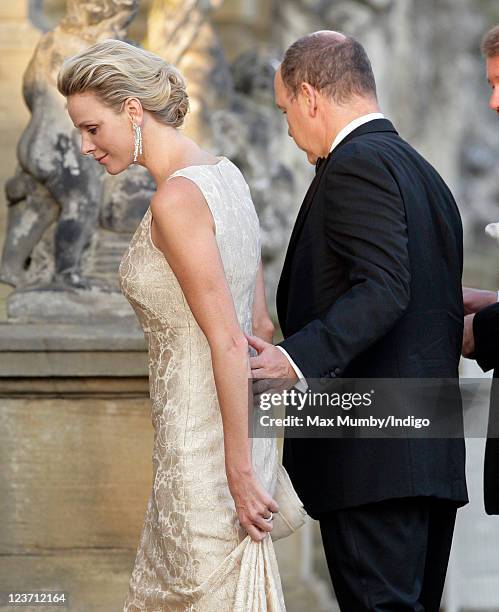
x: 115, y: 70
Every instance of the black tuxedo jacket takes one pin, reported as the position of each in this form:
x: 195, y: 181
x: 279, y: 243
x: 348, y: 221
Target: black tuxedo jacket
x: 371, y: 287
x: 486, y: 333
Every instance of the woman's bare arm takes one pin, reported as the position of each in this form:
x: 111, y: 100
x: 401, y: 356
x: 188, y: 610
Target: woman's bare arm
x: 186, y: 235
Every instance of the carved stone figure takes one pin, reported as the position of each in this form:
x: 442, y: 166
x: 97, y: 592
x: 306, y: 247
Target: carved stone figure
x: 54, y: 182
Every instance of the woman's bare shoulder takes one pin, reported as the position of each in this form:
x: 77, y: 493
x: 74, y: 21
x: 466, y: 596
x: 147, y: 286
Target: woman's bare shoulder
x: 179, y: 201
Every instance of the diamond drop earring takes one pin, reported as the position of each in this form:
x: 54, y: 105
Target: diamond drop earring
x: 137, y: 138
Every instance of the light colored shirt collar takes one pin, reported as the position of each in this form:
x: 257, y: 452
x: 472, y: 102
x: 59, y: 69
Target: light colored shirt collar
x: 353, y: 125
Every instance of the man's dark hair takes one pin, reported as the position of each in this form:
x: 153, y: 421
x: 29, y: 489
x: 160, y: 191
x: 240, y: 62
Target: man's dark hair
x: 490, y: 42
x: 335, y: 66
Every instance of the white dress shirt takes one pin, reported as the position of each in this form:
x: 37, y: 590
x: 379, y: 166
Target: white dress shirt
x: 301, y: 385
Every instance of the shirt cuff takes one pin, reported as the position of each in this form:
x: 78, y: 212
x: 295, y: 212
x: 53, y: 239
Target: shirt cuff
x: 301, y: 385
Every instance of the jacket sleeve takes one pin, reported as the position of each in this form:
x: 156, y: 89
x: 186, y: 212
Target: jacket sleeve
x: 365, y: 226
x: 486, y: 334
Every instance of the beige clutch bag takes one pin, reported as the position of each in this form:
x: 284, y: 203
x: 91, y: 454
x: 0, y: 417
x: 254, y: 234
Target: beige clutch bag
x: 291, y: 515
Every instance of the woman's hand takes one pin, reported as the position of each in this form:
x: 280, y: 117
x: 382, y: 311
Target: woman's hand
x: 253, y: 503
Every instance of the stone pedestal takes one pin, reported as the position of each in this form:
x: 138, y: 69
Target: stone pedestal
x: 77, y: 351
x: 75, y: 451
x: 67, y: 306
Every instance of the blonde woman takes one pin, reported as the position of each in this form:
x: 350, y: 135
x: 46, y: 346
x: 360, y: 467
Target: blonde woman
x: 193, y: 274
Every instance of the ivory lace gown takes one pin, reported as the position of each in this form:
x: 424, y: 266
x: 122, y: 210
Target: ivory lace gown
x: 193, y: 554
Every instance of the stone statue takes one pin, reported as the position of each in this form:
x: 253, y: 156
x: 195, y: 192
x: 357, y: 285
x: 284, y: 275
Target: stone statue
x: 54, y: 182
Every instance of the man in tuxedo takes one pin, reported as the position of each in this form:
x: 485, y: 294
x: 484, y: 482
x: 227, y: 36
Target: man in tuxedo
x: 481, y: 324
x: 370, y: 288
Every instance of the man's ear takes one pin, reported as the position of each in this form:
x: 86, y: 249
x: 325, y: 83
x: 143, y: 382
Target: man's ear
x: 310, y: 98
x: 133, y: 108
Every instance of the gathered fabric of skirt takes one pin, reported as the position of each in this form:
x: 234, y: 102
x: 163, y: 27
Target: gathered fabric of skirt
x: 193, y: 555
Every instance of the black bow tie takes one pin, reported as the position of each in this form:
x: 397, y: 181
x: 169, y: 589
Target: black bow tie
x: 320, y: 161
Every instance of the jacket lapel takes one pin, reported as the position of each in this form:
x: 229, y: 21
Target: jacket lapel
x: 304, y: 209
x: 300, y: 220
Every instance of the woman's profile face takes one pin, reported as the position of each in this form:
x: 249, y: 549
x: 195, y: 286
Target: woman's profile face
x: 105, y: 135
